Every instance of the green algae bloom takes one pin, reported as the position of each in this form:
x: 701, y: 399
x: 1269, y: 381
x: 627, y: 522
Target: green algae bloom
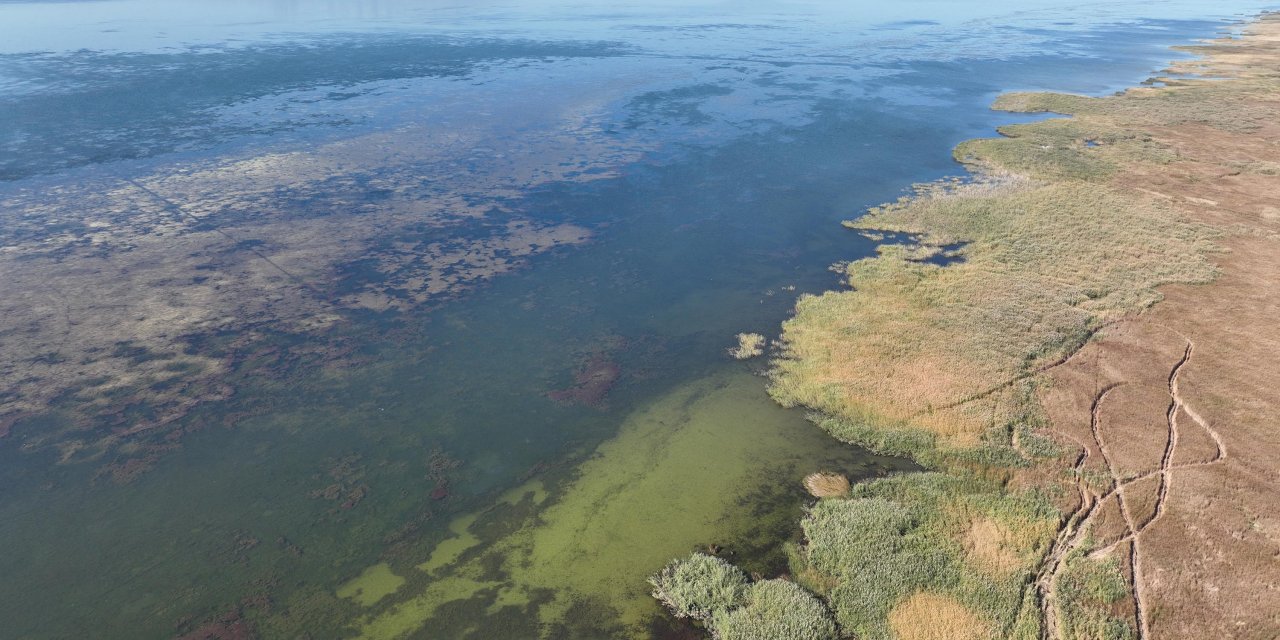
x: 649, y: 494
x: 376, y: 583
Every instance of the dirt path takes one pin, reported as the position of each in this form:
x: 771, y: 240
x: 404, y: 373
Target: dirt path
x: 1076, y: 529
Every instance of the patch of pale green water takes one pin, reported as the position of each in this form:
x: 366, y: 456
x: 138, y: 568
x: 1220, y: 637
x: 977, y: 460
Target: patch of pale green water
x: 449, y: 549
x: 376, y: 583
x: 680, y: 474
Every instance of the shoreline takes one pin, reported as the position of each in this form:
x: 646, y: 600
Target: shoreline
x: 352, y: 475
x: 1032, y: 348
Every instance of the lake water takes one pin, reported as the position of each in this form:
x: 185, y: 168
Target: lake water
x: 410, y: 319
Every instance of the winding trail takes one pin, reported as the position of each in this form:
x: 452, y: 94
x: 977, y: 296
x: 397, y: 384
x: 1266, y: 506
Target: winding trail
x: 1075, y: 529
x: 1042, y: 369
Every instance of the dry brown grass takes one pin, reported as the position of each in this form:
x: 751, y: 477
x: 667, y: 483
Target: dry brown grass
x: 999, y: 543
x: 931, y: 616
x: 1045, y: 264
x: 749, y: 346
x: 992, y: 546
x: 826, y: 484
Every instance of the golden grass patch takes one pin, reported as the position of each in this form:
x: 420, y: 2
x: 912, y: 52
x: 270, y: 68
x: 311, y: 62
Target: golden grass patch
x: 1043, y: 266
x: 826, y: 484
x: 932, y: 616
x: 991, y: 546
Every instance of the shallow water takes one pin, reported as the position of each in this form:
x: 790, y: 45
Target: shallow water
x: 454, y: 285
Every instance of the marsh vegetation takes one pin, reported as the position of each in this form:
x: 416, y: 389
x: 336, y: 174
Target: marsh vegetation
x: 1057, y: 238
x: 717, y: 594
x: 749, y: 346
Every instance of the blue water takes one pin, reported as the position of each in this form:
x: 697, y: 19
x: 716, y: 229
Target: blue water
x: 299, y: 154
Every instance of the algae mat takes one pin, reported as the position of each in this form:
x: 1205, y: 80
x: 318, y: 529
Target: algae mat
x: 673, y: 479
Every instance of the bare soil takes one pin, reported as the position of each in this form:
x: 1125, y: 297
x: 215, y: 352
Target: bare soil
x: 1188, y: 431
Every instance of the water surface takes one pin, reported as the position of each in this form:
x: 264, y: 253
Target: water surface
x: 409, y: 319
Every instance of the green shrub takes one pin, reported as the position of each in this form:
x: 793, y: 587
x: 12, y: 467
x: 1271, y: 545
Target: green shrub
x: 777, y: 610
x: 1086, y: 590
x: 879, y: 555
x: 906, y: 442
x: 699, y: 587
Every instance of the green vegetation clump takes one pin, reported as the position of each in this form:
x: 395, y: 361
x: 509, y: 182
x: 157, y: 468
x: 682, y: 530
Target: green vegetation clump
x: 925, y: 532
x: 1199, y: 102
x: 1053, y: 149
x: 904, y: 442
x: 1086, y: 594
x: 777, y: 610
x: 699, y: 587
x: 710, y: 590
x: 877, y: 554
x: 749, y: 346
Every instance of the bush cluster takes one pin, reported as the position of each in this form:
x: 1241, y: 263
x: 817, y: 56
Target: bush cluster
x: 777, y: 610
x: 710, y: 590
x: 699, y: 587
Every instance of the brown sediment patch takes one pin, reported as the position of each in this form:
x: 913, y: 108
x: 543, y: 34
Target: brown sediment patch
x: 439, y: 466
x: 111, y: 288
x: 1109, y: 525
x: 1140, y: 498
x: 1199, y: 550
x: 932, y: 616
x: 1195, y: 445
x: 129, y: 469
x: 1133, y: 421
x: 343, y: 484
x: 591, y: 383
x: 228, y: 627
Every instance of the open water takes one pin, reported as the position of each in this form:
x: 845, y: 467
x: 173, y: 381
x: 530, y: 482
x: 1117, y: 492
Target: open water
x: 392, y: 318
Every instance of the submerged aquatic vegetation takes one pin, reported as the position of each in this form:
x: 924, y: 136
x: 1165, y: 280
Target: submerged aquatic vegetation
x: 376, y: 583
x: 591, y: 383
x: 643, y: 497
